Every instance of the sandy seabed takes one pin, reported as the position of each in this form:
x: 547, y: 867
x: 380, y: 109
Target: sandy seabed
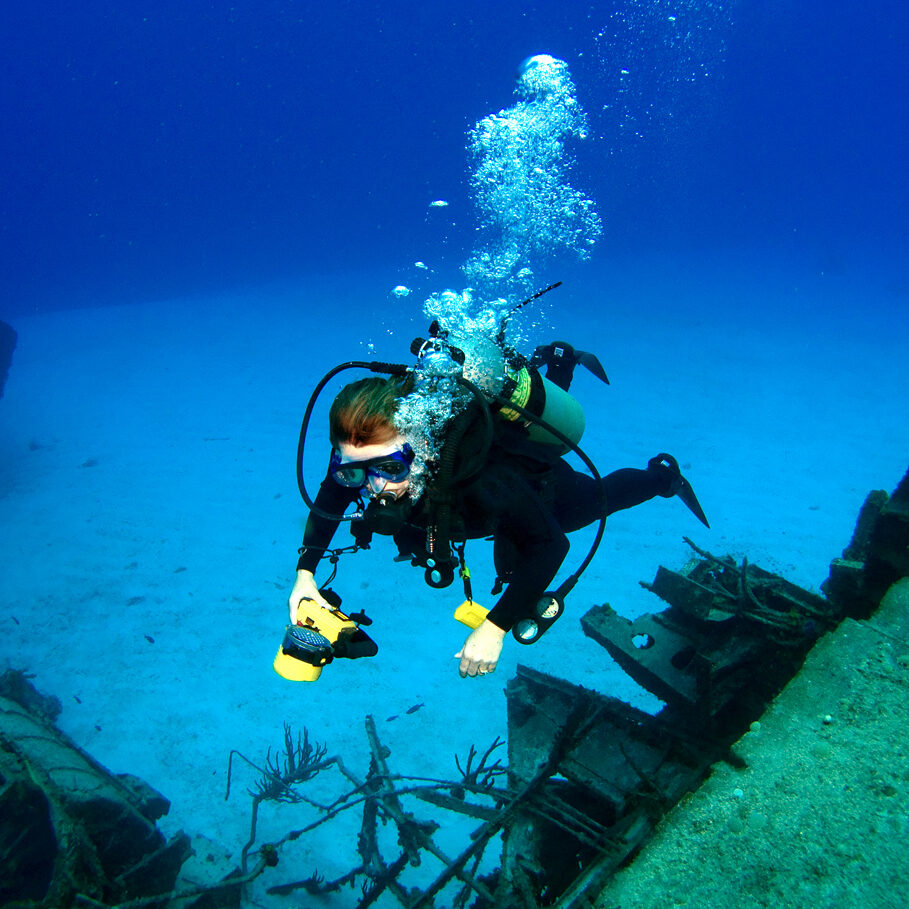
x: 149, y: 515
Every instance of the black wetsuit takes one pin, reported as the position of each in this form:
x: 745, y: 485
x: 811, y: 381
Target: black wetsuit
x: 525, y: 498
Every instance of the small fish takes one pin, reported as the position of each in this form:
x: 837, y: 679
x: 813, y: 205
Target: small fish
x: 77, y: 699
x: 14, y: 619
x: 150, y: 639
x: 391, y: 718
x: 415, y: 708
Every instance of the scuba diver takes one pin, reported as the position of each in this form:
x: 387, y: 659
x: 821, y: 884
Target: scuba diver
x: 500, y: 474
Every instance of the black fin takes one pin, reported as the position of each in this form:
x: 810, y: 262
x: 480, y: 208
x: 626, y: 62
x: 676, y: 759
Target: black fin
x: 590, y: 362
x: 679, y: 486
x: 560, y: 360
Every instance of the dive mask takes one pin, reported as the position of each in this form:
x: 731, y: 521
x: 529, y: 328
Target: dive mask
x: 393, y: 467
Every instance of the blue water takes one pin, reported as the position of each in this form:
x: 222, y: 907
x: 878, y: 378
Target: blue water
x: 206, y: 206
x: 148, y: 152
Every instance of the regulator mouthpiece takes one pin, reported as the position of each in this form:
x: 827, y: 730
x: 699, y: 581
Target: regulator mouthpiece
x: 386, y: 514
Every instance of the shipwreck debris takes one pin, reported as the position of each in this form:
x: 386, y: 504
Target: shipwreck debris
x: 74, y: 834
x: 876, y: 558
x: 731, y: 637
x: 380, y: 798
x: 605, y: 790
x: 70, y: 828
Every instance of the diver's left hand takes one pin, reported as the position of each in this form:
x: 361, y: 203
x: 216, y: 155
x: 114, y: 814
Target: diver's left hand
x: 481, y: 650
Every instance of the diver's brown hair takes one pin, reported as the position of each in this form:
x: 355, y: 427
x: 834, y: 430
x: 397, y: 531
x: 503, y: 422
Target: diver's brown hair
x: 363, y: 412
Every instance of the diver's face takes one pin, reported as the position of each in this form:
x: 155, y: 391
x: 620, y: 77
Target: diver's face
x: 375, y: 485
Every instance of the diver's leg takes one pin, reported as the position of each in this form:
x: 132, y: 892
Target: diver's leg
x: 578, y: 502
x: 577, y: 499
x: 629, y: 486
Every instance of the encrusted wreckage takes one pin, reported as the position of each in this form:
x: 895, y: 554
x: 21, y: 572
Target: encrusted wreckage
x: 587, y: 778
x: 729, y: 640
x: 68, y: 825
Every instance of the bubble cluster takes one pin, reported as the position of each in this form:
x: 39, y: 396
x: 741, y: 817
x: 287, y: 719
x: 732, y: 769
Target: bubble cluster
x: 472, y: 325
x: 528, y: 213
x: 421, y: 418
x: 423, y: 415
x: 528, y: 210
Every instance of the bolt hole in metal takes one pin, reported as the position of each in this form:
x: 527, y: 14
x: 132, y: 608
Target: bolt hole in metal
x: 683, y: 658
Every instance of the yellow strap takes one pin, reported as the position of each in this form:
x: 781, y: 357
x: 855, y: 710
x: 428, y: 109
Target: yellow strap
x: 520, y: 396
x: 471, y: 614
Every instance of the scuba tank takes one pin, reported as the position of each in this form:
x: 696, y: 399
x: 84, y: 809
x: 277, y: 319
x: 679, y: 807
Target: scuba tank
x: 530, y: 390
x: 545, y: 398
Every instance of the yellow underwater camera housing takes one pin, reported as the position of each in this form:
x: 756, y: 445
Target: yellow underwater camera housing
x: 321, y: 634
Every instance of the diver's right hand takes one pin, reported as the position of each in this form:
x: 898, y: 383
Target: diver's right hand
x: 304, y: 588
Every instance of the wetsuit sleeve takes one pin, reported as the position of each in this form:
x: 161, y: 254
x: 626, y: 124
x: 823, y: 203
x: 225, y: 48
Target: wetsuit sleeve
x: 528, y: 532
x: 333, y: 498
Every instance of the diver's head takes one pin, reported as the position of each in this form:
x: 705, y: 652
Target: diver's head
x: 363, y: 412
x: 368, y: 451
